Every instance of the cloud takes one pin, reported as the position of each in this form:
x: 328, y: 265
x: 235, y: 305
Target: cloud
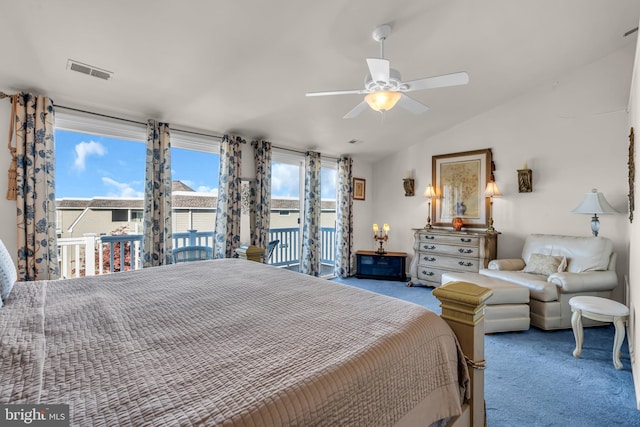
x: 122, y: 189
x: 285, y: 180
x: 85, y: 149
x: 207, y: 189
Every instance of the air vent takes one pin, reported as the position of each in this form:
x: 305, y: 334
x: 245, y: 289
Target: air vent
x: 89, y: 70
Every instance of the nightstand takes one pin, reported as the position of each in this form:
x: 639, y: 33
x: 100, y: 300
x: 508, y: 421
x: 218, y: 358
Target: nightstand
x: 388, y: 266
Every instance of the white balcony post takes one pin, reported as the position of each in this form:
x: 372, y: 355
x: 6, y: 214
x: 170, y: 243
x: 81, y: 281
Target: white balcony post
x: 89, y: 254
x: 100, y: 255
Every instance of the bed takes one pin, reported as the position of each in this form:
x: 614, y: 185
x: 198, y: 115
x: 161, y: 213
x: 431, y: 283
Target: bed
x: 238, y: 343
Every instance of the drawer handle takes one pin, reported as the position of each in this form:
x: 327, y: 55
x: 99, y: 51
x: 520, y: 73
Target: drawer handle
x: 462, y: 239
x: 465, y: 251
x: 430, y: 259
x: 429, y: 273
x: 429, y: 247
x: 465, y: 264
x: 429, y: 237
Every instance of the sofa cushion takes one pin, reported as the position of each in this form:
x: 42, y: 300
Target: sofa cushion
x: 545, y: 264
x: 582, y: 253
x: 538, y: 286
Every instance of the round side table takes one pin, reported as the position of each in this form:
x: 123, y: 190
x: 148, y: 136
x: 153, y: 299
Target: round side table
x: 602, y: 310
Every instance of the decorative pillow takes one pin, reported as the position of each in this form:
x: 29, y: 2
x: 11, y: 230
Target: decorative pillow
x: 8, y: 274
x: 545, y: 264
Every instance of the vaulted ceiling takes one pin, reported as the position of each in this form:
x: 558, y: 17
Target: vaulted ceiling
x: 244, y: 66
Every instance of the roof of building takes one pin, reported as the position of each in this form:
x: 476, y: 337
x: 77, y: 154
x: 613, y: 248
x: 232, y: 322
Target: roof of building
x: 180, y: 186
x: 183, y: 197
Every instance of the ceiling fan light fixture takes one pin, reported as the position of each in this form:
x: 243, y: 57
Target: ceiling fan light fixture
x: 383, y: 100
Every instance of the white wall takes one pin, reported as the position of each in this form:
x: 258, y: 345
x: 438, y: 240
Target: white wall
x: 363, y: 212
x: 8, y: 233
x: 634, y: 234
x: 572, y: 132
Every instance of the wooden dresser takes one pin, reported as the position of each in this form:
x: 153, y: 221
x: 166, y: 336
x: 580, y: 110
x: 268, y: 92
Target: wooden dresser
x: 441, y: 250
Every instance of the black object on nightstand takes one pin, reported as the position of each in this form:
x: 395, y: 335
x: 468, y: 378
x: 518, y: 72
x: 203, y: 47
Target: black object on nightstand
x: 387, y: 266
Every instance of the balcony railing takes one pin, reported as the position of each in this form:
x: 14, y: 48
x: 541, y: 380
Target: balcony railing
x: 288, y: 251
x: 124, y: 252
x: 193, y: 238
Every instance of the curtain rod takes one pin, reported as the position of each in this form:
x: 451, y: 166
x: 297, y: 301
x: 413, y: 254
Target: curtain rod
x: 133, y: 121
x: 4, y: 95
x: 303, y: 152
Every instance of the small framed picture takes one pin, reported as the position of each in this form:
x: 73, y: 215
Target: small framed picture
x: 359, y: 187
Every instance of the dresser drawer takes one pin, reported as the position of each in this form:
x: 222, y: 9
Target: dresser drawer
x: 447, y: 262
x: 449, y: 240
x: 429, y: 247
x: 430, y: 274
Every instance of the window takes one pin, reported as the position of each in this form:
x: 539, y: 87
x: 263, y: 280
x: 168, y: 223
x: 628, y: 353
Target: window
x: 119, y: 215
x: 100, y: 175
x: 287, y: 181
x: 100, y: 169
x: 137, y: 216
x: 195, y: 190
x: 96, y: 177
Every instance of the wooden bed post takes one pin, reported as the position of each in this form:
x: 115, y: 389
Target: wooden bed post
x: 463, y: 308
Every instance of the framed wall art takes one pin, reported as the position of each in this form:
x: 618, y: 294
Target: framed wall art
x: 359, y: 187
x: 460, y: 180
x: 632, y: 174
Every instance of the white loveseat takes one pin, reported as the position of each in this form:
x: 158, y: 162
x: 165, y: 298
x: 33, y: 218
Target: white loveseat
x: 556, y: 268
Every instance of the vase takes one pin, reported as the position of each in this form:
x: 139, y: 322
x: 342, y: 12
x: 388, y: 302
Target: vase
x: 456, y: 223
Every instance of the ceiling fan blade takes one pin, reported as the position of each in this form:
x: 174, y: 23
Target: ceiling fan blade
x: 337, y: 92
x: 356, y: 110
x: 379, y: 69
x: 454, y: 79
x: 412, y: 105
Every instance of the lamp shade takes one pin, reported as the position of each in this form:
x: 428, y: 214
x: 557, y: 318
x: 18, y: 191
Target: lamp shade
x: 382, y: 100
x: 492, y: 190
x: 594, y: 203
x: 430, y: 192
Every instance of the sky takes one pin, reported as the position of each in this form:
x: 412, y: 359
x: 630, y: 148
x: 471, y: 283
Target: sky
x: 94, y: 165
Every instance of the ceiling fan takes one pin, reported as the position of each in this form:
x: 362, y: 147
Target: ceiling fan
x: 384, y: 88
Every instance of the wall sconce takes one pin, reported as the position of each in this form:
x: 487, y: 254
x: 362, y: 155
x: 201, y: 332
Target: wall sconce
x: 491, y: 191
x: 429, y: 194
x: 525, y: 179
x: 409, y: 185
x: 594, y: 203
x: 381, y: 236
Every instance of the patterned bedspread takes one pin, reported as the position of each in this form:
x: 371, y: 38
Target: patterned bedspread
x: 226, y: 342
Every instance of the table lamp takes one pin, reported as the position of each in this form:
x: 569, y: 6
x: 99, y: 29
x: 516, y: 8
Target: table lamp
x: 594, y: 203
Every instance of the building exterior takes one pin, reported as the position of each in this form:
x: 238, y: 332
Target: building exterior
x: 191, y: 211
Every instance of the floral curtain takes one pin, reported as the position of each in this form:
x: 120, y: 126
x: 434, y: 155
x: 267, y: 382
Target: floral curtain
x: 157, y: 196
x: 32, y: 120
x: 310, y: 258
x: 344, y: 264
x: 229, y: 208
x: 260, y: 200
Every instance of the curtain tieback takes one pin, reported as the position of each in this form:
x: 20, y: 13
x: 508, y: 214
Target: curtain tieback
x: 12, y: 185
